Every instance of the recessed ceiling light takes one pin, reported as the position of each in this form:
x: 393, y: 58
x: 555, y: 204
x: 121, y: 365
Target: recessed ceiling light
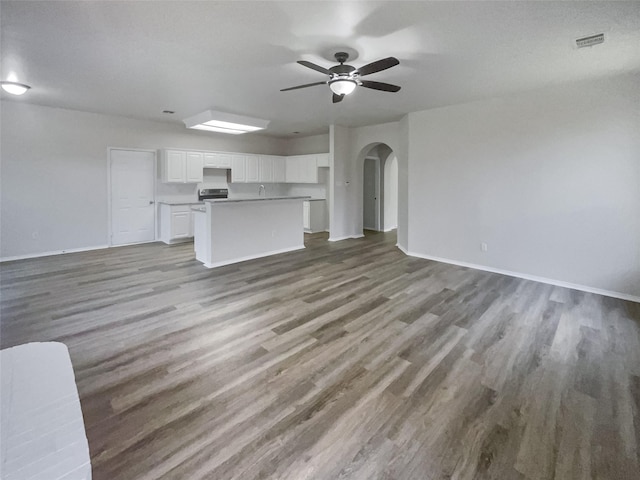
x: 223, y: 122
x: 14, y: 88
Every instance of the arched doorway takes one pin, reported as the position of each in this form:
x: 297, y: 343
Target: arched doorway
x: 379, y: 188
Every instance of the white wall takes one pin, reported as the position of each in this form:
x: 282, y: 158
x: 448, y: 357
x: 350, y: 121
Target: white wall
x: 390, y: 197
x: 310, y: 144
x: 349, y: 146
x: 549, y: 180
x: 340, y: 221
x: 54, y: 171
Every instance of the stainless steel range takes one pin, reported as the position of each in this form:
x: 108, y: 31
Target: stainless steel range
x: 211, y: 193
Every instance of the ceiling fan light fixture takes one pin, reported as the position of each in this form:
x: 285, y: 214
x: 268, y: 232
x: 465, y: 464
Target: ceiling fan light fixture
x: 222, y: 122
x: 342, y: 86
x: 14, y: 88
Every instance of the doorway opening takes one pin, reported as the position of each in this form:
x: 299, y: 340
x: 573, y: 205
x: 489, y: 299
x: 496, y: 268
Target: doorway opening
x: 132, y: 210
x: 379, y: 189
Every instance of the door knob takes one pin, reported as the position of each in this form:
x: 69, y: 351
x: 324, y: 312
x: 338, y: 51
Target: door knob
x: 151, y: 202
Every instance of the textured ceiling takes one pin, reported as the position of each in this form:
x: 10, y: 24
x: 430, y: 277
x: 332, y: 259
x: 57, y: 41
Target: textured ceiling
x: 139, y: 58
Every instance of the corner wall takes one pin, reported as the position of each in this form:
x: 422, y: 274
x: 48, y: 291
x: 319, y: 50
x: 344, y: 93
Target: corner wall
x: 550, y: 181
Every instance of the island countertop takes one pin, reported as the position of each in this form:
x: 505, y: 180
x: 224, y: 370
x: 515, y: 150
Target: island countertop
x: 253, y: 199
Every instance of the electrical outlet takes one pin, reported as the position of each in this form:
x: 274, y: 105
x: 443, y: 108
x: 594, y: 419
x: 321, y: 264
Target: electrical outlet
x: 484, y: 247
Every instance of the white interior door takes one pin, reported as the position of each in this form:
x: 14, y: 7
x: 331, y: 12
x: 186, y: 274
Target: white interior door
x: 132, y: 196
x: 371, y: 194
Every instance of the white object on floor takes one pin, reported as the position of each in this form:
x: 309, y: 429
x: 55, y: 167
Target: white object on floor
x: 42, y: 430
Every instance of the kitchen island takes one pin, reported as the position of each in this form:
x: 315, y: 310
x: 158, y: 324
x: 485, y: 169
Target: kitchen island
x: 233, y: 230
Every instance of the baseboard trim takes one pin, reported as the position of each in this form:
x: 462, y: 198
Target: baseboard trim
x: 52, y: 253
x: 252, y: 257
x: 338, y: 239
x: 524, y: 276
x: 403, y: 250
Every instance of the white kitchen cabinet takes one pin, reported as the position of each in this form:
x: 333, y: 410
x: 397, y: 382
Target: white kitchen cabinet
x: 174, y: 164
x: 195, y: 167
x: 238, y: 170
x: 252, y: 166
x: 279, y: 170
x: 181, y: 167
x: 309, y: 169
x: 322, y: 159
x: 293, y: 169
x: 266, y: 169
x: 217, y: 160
x: 314, y: 216
x: 176, y: 223
x: 301, y: 169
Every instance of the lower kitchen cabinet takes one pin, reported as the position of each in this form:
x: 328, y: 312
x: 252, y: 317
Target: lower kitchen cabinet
x: 313, y: 214
x: 176, y: 223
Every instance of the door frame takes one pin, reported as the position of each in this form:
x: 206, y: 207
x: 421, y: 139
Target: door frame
x: 110, y: 206
x: 377, y: 192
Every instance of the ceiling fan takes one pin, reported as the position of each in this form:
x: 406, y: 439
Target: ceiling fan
x: 343, y: 79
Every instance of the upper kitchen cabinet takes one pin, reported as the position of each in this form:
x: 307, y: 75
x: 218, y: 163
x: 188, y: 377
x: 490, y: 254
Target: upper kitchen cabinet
x: 279, y: 169
x: 238, y: 169
x: 217, y: 160
x: 195, y: 165
x: 266, y: 169
x: 301, y: 169
x: 181, y: 167
x: 252, y: 166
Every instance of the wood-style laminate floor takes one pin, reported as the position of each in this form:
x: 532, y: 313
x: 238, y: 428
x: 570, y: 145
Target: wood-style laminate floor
x: 346, y: 360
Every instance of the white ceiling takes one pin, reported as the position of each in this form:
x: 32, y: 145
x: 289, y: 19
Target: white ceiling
x: 137, y: 58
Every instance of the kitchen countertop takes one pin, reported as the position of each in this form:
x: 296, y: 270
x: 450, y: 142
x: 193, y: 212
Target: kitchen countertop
x: 171, y: 202
x: 254, y: 199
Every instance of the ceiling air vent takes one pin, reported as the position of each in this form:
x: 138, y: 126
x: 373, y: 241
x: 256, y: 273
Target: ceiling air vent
x: 590, y: 41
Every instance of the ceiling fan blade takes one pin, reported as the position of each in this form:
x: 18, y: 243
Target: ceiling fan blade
x: 386, y: 87
x: 337, y: 98
x: 303, y: 86
x: 378, y: 66
x: 315, y: 67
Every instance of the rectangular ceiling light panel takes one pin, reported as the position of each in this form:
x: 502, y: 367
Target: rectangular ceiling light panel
x: 223, y: 122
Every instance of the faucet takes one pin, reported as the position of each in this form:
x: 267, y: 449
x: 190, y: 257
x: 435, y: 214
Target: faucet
x: 261, y: 190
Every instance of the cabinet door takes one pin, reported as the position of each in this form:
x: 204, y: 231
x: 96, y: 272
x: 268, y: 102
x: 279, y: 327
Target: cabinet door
x: 279, y: 173
x: 224, y: 160
x: 306, y: 215
x: 238, y: 169
x: 194, y: 167
x: 309, y: 168
x: 174, y: 166
x: 180, y: 224
x: 211, y: 160
x: 266, y: 169
x: 293, y: 169
x: 252, y: 169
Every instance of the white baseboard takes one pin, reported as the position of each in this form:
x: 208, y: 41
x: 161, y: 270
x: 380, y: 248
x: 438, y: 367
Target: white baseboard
x: 252, y: 257
x: 549, y: 281
x: 403, y: 250
x: 389, y: 229
x: 53, y: 252
x: 347, y: 237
